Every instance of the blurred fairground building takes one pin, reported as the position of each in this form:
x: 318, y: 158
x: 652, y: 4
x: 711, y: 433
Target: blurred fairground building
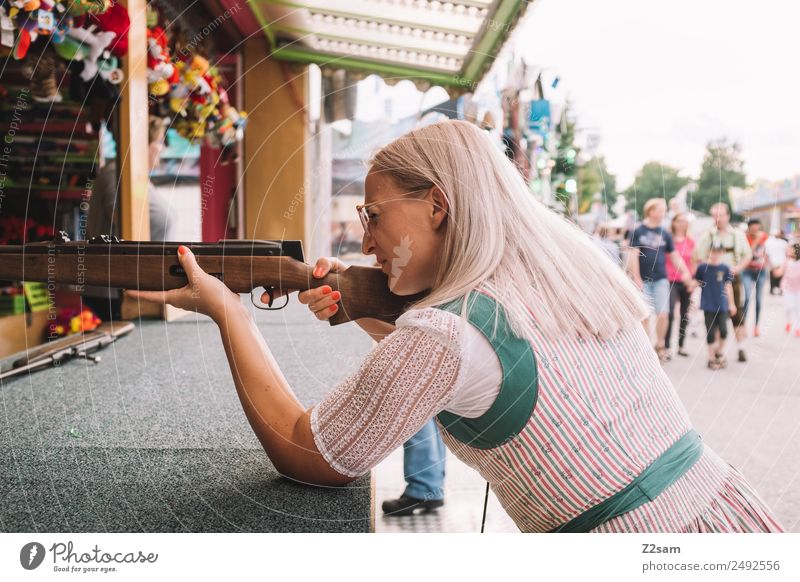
x: 775, y: 204
x: 521, y: 106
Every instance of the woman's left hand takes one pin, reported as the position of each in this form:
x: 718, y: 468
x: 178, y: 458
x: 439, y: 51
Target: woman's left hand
x: 203, y: 293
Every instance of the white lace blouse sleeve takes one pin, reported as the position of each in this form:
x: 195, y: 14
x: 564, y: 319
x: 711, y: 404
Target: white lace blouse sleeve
x: 405, y: 380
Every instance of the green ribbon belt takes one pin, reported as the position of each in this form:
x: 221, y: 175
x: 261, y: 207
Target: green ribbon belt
x: 662, y: 473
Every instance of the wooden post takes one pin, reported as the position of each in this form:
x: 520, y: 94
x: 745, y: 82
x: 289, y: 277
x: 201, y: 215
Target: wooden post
x: 275, y: 145
x: 133, y: 150
x: 133, y: 142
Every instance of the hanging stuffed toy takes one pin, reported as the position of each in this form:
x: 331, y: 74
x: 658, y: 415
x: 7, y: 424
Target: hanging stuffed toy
x: 60, y: 22
x: 25, y: 13
x: 45, y: 19
x: 91, y: 48
x: 84, y: 7
x: 109, y: 70
x: 190, y: 89
x: 178, y: 96
x: 201, y: 107
x: 160, y: 71
x: 40, y: 68
x: 227, y: 125
x: 115, y: 19
x: 60, y: 32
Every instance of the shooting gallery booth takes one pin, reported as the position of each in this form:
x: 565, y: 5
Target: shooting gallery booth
x: 164, y: 121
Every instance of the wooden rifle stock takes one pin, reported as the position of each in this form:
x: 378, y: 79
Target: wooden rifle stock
x: 243, y: 265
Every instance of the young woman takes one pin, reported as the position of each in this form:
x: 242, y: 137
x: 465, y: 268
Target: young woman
x: 679, y: 293
x: 528, y: 350
x: 790, y: 287
x: 754, y: 276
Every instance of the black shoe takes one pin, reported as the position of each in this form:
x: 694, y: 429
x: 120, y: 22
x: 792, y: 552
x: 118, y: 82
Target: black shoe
x: 742, y: 356
x: 407, y: 505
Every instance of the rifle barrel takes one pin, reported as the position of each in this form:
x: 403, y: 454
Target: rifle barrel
x: 243, y: 265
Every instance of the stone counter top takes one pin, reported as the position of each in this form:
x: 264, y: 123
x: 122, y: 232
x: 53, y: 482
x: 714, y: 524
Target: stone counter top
x: 153, y: 438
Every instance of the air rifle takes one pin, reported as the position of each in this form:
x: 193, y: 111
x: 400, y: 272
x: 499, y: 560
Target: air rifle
x: 245, y: 266
x: 59, y: 350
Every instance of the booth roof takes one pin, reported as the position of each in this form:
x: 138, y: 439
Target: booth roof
x: 450, y: 43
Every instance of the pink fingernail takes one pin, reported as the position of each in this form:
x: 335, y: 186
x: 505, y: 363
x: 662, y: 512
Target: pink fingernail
x: 318, y: 272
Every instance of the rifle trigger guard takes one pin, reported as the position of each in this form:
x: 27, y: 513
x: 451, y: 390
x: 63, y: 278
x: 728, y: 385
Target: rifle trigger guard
x: 255, y: 298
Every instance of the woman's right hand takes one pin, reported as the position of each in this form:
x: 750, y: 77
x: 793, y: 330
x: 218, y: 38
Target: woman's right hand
x: 323, y: 301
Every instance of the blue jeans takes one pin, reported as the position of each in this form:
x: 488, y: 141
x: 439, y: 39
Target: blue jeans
x: 657, y: 294
x: 423, y: 463
x: 749, y: 280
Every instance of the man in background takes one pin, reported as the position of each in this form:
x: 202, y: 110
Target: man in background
x: 737, y: 255
x: 650, y: 247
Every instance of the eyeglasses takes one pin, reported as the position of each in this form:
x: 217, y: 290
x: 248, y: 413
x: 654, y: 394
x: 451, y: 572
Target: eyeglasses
x: 363, y: 214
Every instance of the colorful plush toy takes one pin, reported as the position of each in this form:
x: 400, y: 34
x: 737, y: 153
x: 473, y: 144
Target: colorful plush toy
x: 70, y: 321
x: 110, y: 71
x: 84, y: 7
x: 91, y: 48
x: 179, y: 93
x: 25, y: 13
x: 115, y: 19
x: 34, y: 18
x: 201, y: 106
x: 63, y: 25
x: 190, y: 88
x: 45, y: 20
x: 230, y: 127
x: 160, y: 71
x: 41, y: 68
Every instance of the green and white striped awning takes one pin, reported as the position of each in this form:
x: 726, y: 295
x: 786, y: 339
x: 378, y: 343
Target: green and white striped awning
x: 449, y: 43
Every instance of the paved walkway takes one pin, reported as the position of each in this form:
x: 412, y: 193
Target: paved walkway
x: 749, y: 413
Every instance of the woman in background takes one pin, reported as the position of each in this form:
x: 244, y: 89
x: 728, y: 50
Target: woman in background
x: 163, y: 215
x: 679, y: 294
x: 790, y: 288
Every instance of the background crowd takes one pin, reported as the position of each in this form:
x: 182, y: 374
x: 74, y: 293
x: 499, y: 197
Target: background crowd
x: 717, y: 278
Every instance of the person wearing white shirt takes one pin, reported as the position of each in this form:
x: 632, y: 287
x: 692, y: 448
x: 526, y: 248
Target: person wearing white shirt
x: 776, y: 257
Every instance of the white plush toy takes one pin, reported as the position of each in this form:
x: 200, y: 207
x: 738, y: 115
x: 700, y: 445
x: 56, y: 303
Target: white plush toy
x: 96, y: 44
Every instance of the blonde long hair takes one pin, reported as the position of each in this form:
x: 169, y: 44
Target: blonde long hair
x: 498, y: 234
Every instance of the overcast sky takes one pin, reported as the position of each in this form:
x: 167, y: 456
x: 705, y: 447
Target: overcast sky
x: 659, y: 79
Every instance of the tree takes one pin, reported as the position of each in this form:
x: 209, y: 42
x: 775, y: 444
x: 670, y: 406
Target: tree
x: 722, y: 169
x: 654, y: 180
x: 593, y: 178
x: 565, y: 172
